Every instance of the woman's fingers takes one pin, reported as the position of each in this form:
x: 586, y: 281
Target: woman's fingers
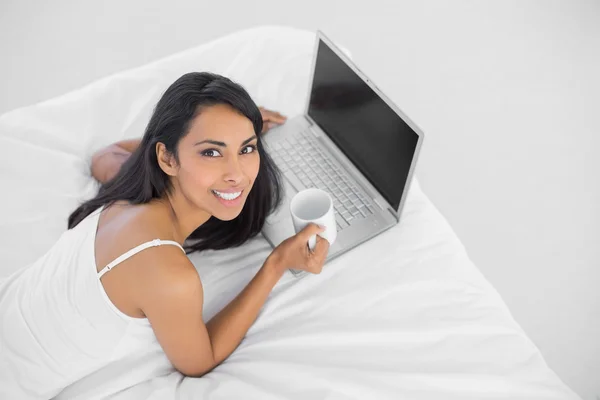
x: 272, y: 116
x: 271, y: 119
x: 276, y: 117
x: 280, y: 115
x: 266, y: 126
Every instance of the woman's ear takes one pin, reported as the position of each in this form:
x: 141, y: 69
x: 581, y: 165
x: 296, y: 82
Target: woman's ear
x: 166, y: 161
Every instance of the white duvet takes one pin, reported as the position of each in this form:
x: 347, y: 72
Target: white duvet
x: 405, y: 315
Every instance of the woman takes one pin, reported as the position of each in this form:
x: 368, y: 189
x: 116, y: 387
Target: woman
x: 118, y: 283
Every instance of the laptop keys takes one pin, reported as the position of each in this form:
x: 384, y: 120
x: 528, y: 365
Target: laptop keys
x: 340, y: 222
x: 307, y: 166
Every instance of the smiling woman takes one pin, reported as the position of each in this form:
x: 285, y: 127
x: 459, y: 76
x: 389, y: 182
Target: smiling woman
x: 198, y: 179
x: 196, y: 106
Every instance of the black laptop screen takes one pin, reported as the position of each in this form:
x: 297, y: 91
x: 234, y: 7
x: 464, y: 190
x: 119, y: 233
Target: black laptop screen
x: 362, y: 125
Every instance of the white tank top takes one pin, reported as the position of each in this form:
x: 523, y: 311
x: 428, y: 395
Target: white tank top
x: 58, y: 326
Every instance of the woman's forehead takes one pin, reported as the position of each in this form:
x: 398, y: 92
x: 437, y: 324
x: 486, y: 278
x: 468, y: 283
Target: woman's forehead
x: 221, y: 123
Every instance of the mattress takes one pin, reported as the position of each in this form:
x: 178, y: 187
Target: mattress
x: 404, y: 315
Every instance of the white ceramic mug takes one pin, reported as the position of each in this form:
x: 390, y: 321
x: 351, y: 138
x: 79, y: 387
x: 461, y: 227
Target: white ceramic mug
x: 314, y: 205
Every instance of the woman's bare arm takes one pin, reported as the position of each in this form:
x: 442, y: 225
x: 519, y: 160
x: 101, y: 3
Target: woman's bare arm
x: 230, y: 325
x: 172, y: 300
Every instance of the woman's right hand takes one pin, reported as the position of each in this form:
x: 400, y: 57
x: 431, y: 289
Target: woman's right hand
x: 294, y: 252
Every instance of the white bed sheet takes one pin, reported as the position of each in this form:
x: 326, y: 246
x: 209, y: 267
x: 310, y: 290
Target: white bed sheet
x: 405, y: 315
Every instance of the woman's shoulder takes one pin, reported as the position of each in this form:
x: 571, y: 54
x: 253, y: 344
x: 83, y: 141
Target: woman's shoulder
x: 123, y: 226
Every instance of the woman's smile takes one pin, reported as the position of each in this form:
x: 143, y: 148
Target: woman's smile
x: 229, y: 199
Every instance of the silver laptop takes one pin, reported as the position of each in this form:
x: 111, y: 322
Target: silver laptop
x: 352, y: 142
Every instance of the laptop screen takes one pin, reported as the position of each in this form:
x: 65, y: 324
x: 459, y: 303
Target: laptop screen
x: 379, y: 143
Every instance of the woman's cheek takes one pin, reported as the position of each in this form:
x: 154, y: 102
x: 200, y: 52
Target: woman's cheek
x: 202, y: 178
x: 204, y: 181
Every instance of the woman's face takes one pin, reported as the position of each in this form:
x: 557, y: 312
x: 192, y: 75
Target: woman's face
x: 218, y: 160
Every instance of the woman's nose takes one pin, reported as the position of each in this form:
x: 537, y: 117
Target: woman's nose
x: 234, y: 173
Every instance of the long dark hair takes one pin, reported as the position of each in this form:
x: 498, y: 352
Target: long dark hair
x: 140, y: 178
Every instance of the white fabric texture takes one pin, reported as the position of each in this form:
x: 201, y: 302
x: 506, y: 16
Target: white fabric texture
x: 59, y: 325
x: 405, y: 315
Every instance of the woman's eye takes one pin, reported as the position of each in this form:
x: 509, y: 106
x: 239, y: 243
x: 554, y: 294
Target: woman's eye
x: 252, y: 147
x: 211, y: 152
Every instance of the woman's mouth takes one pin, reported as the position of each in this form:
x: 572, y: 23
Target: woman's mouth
x: 228, y: 199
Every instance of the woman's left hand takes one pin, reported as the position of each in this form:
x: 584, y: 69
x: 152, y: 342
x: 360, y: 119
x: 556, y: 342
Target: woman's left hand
x: 271, y: 119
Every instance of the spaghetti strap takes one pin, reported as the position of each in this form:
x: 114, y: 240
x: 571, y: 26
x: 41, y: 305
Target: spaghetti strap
x: 135, y: 250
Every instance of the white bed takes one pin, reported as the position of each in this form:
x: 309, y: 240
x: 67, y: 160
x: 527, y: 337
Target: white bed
x: 405, y: 315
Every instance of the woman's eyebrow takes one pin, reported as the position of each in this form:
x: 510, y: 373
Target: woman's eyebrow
x: 223, y: 144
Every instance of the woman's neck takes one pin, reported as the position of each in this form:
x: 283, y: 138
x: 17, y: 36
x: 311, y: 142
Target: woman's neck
x: 185, y: 216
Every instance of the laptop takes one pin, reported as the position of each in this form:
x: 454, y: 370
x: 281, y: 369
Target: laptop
x: 352, y: 142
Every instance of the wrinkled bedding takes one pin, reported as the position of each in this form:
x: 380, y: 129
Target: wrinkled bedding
x: 405, y: 315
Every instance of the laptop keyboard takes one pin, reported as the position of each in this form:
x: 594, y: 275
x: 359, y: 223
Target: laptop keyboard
x: 304, y: 158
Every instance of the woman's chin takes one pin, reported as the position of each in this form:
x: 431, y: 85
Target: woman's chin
x: 227, y: 210
x: 227, y: 214
x: 225, y: 218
